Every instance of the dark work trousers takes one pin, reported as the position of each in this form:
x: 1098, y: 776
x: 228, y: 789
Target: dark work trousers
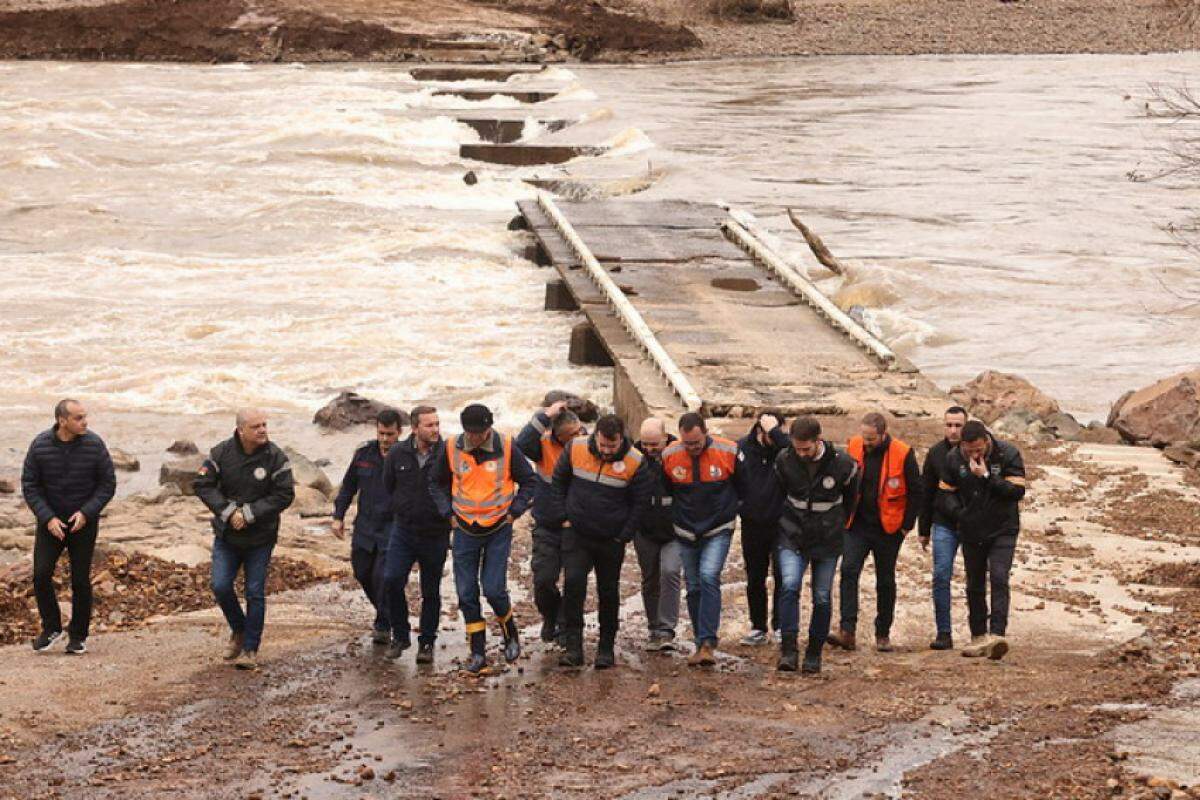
x: 368, y: 567
x: 860, y: 541
x: 80, y: 547
x: 429, y: 552
x: 547, y: 567
x: 758, y: 551
x: 581, y: 555
x: 989, y: 562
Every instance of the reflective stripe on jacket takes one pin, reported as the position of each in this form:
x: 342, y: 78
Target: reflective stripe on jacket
x: 481, y: 492
x: 706, y: 499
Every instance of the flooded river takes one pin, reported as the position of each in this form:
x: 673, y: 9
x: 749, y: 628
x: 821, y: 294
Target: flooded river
x: 180, y: 240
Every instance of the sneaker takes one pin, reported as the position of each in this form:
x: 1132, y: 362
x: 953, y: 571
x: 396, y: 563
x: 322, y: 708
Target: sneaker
x: 978, y: 647
x: 995, y: 649
x: 755, y: 638
x: 76, y: 647
x: 44, y: 640
x: 668, y: 643
x: 943, y: 641
x: 248, y: 660
x: 397, y: 647
x: 235, y: 646
x: 425, y: 653
x: 381, y: 636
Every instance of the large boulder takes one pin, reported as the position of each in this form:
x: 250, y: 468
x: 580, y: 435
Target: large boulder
x: 307, y: 473
x: 1164, y: 413
x: 349, y: 409
x: 183, y: 447
x: 126, y: 462
x: 181, y: 472
x: 992, y: 395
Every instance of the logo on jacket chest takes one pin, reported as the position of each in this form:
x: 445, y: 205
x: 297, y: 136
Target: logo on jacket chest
x: 828, y: 482
x: 618, y: 467
x: 893, y: 483
x: 679, y: 473
x: 260, y: 473
x: 490, y: 466
x: 714, y: 471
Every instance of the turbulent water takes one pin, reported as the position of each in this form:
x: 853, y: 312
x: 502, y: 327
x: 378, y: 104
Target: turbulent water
x: 177, y: 241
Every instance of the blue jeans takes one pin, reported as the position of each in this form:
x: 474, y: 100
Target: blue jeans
x: 945, y: 548
x: 702, y: 565
x: 791, y: 572
x: 404, y: 550
x: 482, y: 560
x: 226, y: 561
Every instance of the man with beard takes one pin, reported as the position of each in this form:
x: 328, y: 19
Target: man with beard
x: 935, y: 525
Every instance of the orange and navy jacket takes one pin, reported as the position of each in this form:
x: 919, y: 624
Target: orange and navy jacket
x: 705, y: 495
x: 536, y: 440
x: 513, y: 481
x: 603, y: 498
x: 890, y: 489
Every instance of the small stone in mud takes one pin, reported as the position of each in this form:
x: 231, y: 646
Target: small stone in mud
x: 367, y: 774
x: 470, y: 179
x: 654, y: 691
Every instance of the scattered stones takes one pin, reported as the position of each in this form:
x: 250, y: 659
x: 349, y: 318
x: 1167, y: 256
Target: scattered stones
x: 1166, y: 412
x: 183, y: 447
x: 123, y: 461
x: 349, y: 409
x: 8, y: 486
x: 991, y: 395
x: 181, y: 472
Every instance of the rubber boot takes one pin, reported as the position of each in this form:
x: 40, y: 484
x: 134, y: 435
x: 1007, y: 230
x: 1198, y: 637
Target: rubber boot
x: 478, y: 660
x: 788, y: 655
x: 572, y: 644
x: 512, y: 639
x: 812, y: 656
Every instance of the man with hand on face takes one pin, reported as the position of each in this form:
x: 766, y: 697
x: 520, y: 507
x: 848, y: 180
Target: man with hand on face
x: 935, y: 525
x: 420, y: 533
x: 246, y: 482
x: 888, y: 504
x: 982, y: 488
x: 373, y: 522
x: 601, y: 485
x: 655, y: 544
x: 543, y: 440
x: 67, y: 480
x: 821, y: 487
x: 761, y: 503
x: 482, y: 485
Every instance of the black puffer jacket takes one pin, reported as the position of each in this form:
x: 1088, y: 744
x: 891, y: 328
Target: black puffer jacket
x: 817, y: 503
x: 984, y: 508
x: 598, y: 504
x: 657, y: 524
x: 760, y: 500
x: 60, y: 478
x: 258, y: 484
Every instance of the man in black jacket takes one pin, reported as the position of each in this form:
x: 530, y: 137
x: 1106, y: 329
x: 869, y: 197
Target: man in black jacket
x: 820, y: 485
x: 602, y: 485
x: 67, y: 480
x: 373, y: 521
x: 759, y: 507
x: 246, y: 482
x: 655, y: 544
x: 935, y: 525
x: 419, y: 533
x: 981, y: 491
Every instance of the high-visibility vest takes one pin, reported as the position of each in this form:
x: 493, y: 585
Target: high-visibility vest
x: 481, y: 492
x: 893, y: 489
x: 551, y: 450
x: 586, y: 465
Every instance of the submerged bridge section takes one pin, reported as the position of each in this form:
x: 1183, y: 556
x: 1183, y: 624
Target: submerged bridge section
x: 722, y: 324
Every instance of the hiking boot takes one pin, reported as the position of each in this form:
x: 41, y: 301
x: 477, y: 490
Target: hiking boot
x: 812, y: 657
x: 76, y: 647
x: 425, y: 653
x: 549, y: 631
x: 235, y: 645
x: 572, y: 654
x: 605, y: 658
x: 397, y: 647
x: 755, y: 638
x: 996, y: 648
x: 943, y: 641
x: 512, y: 640
x: 883, y: 645
x: 248, y: 660
x: 44, y: 640
x: 843, y: 639
x: 788, y: 656
x: 977, y: 648
x: 381, y: 636
x: 705, y: 656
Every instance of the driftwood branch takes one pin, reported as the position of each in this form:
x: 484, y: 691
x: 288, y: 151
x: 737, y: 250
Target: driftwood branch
x: 827, y: 259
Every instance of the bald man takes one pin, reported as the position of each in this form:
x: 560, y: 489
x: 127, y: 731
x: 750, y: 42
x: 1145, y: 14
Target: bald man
x: 246, y: 482
x: 656, y: 547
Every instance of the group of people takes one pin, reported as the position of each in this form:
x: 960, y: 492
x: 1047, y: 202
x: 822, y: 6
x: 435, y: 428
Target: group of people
x: 801, y: 501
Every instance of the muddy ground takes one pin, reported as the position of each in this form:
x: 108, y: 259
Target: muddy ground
x: 553, y: 30
x: 1105, y: 634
